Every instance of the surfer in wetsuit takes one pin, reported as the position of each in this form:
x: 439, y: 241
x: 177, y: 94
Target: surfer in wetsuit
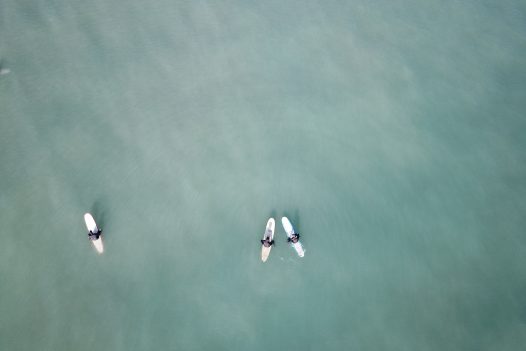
x: 294, y: 238
x: 267, y: 242
x: 94, y: 236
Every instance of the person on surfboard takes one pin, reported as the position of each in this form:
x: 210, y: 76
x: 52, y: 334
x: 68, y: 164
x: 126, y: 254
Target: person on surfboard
x: 94, y: 236
x: 267, y: 242
x: 294, y: 238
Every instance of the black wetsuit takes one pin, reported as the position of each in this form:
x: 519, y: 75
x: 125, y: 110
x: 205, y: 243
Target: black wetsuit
x: 267, y: 243
x: 94, y: 236
x: 294, y: 239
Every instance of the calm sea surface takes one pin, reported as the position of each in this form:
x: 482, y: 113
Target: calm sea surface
x: 392, y: 134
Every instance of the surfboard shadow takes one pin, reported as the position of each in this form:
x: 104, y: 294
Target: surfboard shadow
x: 99, y: 212
x: 273, y: 214
x: 295, y: 219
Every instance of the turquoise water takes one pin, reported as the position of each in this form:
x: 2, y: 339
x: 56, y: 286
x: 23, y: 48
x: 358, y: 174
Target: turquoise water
x: 390, y: 133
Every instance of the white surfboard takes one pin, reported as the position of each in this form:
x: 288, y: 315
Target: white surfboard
x: 269, y: 233
x: 289, y: 229
x: 92, y: 226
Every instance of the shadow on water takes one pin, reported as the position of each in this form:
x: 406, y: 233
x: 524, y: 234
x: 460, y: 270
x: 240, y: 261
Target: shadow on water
x: 294, y: 219
x: 99, y: 212
x: 273, y: 214
x: 297, y: 221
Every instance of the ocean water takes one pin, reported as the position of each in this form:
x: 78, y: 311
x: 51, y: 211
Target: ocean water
x: 392, y: 134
